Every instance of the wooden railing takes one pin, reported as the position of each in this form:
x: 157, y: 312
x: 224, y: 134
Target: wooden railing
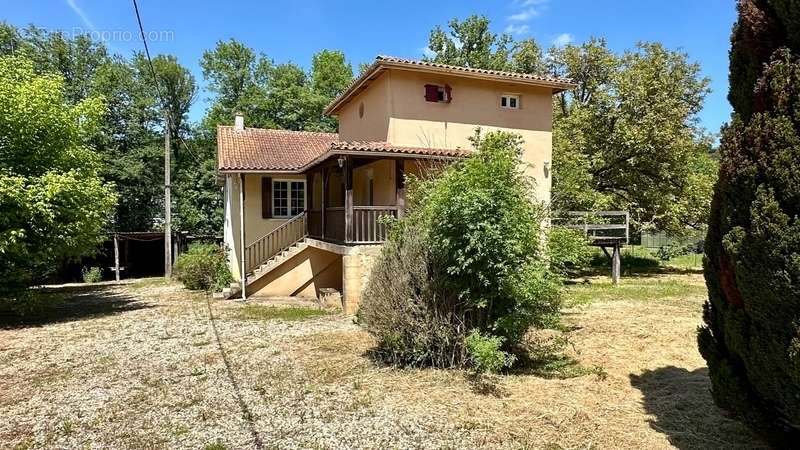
x: 367, y: 226
x: 334, y: 223
x: 597, y: 224
x: 274, y: 242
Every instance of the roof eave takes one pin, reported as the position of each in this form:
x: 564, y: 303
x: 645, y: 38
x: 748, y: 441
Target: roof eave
x: 380, y: 65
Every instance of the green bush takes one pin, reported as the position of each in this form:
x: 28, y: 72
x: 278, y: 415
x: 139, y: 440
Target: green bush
x: 92, y: 274
x: 203, y: 267
x: 468, y: 256
x: 568, y: 251
x: 751, y: 335
x: 486, y: 354
x: 413, y: 324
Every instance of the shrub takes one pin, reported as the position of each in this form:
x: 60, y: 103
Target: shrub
x: 568, y: 250
x: 203, y: 267
x: 92, y: 274
x: 413, y: 323
x: 468, y: 256
x: 751, y: 335
x: 485, y: 353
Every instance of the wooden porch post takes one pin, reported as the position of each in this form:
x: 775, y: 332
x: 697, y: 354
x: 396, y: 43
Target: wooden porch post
x: 324, y: 200
x: 348, y: 200
x: 309, y: 198
x: 400, y: 186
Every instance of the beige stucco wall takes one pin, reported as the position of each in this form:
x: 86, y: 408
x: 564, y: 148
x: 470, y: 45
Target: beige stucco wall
x: 383, y: 175
x: 374, y: 124
x: 255, y: 225
x: 303, y: 275
x: 399, y: 95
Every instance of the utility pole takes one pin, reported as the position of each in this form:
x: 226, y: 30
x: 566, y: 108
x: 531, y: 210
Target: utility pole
x: 167, y: 201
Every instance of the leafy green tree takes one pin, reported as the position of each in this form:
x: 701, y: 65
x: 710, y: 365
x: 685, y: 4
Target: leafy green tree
x: 528, y: 58
x: 53, y: 203
x: 751, y: 333
x: 627, y: 137
x: 178, y: 89
x: 330, y: 73
x: 236, y: 76
x: 270, y: 95
x: 470, y: 43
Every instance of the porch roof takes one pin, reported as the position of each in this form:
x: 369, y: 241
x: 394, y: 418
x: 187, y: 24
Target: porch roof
x: 265, y: 150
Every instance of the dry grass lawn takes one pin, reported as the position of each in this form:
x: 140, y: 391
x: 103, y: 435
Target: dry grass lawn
x: 150, y: 365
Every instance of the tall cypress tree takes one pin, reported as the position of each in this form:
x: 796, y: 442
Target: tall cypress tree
x: 751, y: 335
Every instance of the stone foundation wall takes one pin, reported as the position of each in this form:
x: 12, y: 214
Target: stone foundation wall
x: 356, y: 267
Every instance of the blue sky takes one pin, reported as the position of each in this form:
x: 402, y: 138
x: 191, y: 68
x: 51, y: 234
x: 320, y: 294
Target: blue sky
x: 294, y: 30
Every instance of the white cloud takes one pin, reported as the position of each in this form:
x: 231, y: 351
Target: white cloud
x: 81, y: 14
x: 524, y: 16
x: 427, y: 52
x: 563, y: 39
x: 517, y: 29
x: 526, y: 3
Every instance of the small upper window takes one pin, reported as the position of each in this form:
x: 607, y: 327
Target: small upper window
x: 437, y: 93
x: 509, y: 101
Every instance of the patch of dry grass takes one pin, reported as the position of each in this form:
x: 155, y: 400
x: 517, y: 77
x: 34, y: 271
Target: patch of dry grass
x: 164, y: 374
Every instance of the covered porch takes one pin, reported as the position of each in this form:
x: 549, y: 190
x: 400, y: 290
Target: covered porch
x: 349, y: 195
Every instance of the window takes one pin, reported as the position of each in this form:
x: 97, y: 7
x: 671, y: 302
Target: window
x: 509, y: 101
x: 288, y: 198
x: 437, y: 93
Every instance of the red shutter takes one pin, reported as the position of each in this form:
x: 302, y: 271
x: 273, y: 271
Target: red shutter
x: 431, y: 93
x: 266, y: 197
x: 447, y: 93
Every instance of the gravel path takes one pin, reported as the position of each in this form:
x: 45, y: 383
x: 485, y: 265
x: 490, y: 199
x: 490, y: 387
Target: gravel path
x: 144, y: 365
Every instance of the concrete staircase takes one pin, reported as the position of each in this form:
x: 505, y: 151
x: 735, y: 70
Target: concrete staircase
x: 270, y: 250
x: 261, y: 271
x: 272, y: 263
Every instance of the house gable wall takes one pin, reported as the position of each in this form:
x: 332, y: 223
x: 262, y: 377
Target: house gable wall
x: 409, y: 120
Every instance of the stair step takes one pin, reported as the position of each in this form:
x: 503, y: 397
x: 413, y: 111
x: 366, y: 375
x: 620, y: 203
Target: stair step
x: 275, y: 261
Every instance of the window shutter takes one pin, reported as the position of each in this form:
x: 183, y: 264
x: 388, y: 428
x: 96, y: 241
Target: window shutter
x: 431, y: 93
x: 266, y: 197
x: 448, y: 96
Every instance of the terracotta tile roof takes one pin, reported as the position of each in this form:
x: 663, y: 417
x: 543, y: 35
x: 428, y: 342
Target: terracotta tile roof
x: 516, y: 75
x: 381, y: 62
x: 295, y: 151
x: 262, y: 149
x: 385, y: 147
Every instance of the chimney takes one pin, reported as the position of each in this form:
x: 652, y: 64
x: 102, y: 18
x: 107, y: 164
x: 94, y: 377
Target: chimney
x: 238, y: 123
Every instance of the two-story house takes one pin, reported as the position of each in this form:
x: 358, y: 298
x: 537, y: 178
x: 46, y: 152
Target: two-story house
x: 302, y: 209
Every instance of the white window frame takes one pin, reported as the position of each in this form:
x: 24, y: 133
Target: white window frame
x: 508, y: 98
x: 288, y: 182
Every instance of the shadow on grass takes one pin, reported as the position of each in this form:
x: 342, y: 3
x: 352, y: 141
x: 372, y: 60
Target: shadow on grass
x: 640, y: 271
x: 684, y: 411
x: 65, y: 304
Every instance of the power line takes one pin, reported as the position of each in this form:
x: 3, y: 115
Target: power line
x: 161, y: 98
x: 147, y: 53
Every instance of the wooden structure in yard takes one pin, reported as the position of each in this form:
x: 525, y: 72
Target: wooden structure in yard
x: 609, y: 230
